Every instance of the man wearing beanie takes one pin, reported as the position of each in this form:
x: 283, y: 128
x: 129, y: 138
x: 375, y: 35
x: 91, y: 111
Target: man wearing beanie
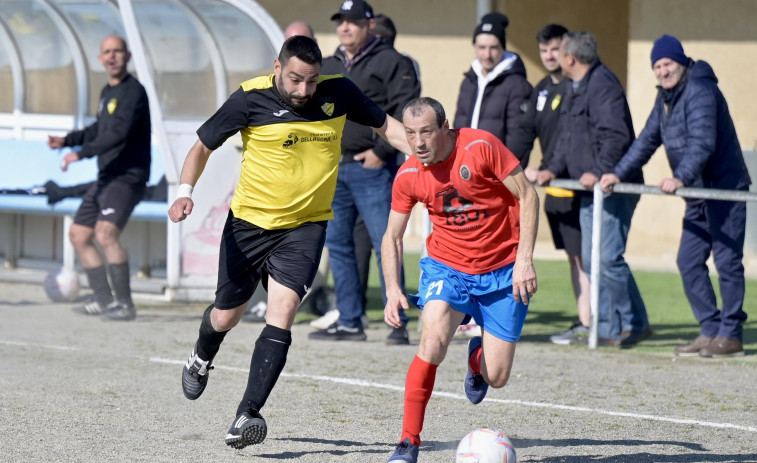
x: 494, y: 93
x: 691, y: 118
x: 494, y: 97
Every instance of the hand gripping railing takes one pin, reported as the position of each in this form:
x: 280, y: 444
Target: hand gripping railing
x: 632, y: 188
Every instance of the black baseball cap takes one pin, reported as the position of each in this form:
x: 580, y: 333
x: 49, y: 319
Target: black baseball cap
x: 354, y: 9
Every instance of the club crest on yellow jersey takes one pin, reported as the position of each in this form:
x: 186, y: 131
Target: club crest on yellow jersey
x: 328, y: 108
x: 112, y: 105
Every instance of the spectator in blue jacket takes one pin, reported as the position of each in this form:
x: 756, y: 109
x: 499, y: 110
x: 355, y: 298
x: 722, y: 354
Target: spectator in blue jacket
x: 691, y: 118
x: 595, y: 130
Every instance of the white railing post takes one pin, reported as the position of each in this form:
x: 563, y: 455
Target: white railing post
x: 596, y: 263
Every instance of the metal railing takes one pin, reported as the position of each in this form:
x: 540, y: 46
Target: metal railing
x: 631, y: 188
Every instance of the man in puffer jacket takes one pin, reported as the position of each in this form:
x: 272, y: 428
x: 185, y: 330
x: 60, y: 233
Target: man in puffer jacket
x: 691, y: 118
x: 494, y: 94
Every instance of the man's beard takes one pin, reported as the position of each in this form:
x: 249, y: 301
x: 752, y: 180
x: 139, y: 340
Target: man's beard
x: 290, y: 98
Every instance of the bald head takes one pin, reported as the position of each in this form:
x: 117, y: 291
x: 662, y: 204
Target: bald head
x: 299, y: 28
x: 114, y: 56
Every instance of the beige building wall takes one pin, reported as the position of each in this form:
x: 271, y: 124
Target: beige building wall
x: 438, y: 34
x: 720, y: 32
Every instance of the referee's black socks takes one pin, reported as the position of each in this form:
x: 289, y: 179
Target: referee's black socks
x: 267, y: 362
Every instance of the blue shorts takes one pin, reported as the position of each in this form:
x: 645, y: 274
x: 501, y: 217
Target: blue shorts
x: 488, y: 297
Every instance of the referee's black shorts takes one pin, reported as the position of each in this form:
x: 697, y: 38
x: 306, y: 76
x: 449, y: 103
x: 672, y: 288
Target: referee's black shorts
x: 250, y: 253
x: 110, y: 200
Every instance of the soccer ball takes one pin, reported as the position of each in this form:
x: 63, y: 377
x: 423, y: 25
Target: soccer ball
x: 62, y: 285
x: 485, y: 446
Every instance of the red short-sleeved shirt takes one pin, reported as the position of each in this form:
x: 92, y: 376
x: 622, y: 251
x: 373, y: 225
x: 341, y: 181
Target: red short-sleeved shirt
x: 476, y: 220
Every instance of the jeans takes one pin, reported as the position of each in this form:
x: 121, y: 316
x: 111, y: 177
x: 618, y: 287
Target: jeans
x: 718, y: 227
x: 621, y: 307
x: 367, y: 192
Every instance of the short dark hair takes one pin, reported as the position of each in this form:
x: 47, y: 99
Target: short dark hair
x: 302, y: 48
x: 385, y: 28
x: 582, y: 46
x: 550, y: 32
x: 416, y: 107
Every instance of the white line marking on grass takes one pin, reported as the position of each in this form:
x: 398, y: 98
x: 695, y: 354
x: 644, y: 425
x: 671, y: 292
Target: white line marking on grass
x: 449, y: 395
x: 44, y: 346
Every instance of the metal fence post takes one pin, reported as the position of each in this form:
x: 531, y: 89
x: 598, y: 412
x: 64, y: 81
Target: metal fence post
x: 596, y: 262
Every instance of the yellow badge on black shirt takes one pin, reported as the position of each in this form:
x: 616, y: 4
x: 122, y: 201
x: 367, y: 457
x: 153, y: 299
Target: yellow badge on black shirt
x: 112, y: 105
x: 556, y: 101
x: 328, y: 108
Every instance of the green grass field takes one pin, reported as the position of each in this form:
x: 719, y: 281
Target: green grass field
x: 553, y: 308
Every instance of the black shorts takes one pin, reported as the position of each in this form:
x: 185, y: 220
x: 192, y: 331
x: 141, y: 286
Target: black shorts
x: 563, y: 215
x: 249, y: 253
x: 111, y: 201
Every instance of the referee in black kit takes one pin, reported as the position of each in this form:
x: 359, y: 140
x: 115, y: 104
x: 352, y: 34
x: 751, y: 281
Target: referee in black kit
x: 120, y: 138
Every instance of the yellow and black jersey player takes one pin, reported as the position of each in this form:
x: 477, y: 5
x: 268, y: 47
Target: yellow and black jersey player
x: 291, y: 124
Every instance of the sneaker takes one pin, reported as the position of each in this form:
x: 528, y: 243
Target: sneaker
x: 90, y: 308
x: 326, y: 320
x: 194, y: 375
x: 722, y: 347
x: 470, y: 330
x: 475, y: 386
x: 255, y: 313
x: 397, y: 336
x: 693, y: 348
x: 405, y: 452
x: 119, y: 311
x: 248, y: 428
x: 339, y: 333
x: 576, y: 334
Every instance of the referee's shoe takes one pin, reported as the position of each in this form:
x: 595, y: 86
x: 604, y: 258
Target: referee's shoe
x: 119, y: 311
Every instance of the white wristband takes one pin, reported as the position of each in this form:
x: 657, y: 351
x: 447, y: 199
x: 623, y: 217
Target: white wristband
x: 184, y: 191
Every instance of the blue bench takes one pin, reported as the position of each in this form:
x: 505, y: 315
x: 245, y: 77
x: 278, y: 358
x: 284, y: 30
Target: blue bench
x: 27, y: 164
x: 32, y: 163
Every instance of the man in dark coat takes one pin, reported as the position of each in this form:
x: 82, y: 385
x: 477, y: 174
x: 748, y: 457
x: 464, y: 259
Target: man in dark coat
x: 691, y: 118
x: 494, y: 94
x: 595, y: 130
x: 367, y: 165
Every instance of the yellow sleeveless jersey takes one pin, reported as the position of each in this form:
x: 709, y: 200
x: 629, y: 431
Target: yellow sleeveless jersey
x: 291, y: 156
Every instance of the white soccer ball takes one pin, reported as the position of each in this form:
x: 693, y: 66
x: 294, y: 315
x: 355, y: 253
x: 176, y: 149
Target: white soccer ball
x: 485, y: 446
x: 62, y: 285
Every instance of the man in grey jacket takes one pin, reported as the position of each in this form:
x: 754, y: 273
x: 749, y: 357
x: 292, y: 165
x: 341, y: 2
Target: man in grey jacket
x: 595, y: 130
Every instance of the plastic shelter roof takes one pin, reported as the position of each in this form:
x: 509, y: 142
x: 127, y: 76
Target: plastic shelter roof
x: 189, y: 54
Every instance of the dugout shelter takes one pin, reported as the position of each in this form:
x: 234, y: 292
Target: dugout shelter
x: 190, y: 55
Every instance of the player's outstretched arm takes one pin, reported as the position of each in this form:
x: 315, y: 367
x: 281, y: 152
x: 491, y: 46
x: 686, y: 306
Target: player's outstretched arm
x: 524, y: 274
x: 393, y: 132
x: 194, y: 164
x: 391, y: 263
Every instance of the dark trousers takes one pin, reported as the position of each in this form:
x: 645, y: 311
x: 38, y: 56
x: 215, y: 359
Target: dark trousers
x: 716, y: 227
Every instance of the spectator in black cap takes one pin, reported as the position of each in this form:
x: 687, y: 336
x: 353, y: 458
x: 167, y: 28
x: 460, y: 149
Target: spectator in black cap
x: 494, y: 95
x: 367, y: 165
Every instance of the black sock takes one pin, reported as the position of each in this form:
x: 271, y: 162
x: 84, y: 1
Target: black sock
x: 210, y: 340
x: 98, y: 281
x: 119, y: 275
x: 268, y: 360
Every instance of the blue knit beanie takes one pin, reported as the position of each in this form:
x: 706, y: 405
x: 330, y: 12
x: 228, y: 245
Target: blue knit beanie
x: 668, y: 46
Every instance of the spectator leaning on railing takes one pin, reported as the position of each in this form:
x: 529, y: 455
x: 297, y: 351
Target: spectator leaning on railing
x: 691, y: 118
